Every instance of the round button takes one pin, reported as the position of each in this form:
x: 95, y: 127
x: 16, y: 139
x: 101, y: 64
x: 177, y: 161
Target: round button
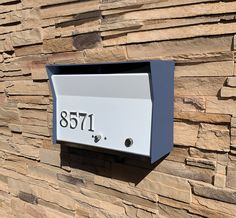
x: 128, y: 142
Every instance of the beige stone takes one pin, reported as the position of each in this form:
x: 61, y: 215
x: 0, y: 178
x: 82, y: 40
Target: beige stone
x: 33, y: 117
x: 231, y: 81
x: 178, y: 154
x: 182, y: 170
x: 50, y: 157
x: 55, y: 197
x: 58, y: 45
x: 15, y: 128
x: 110, y: 5
x: 231, y: 177
x: 8, y: 44
x: 44, y: 173
x: 117, y: 41
x: 32, y: 3
x: 221, y: 209
x: 220, y: 169
x: 5, y: 131
x: 233, y: 132
x: 90, y: 26
x: 128, y: 192
x: 66, y: 58
x: 2, y: 58
x: 183, y: 11
x: 185, y: 134
x: 202, y: 117
x: 213, y: 137
x: 2, y: 87
x: 198, y: 86
x: 180, y: 33
x: 105, y: 54
x: 38, y: 71
x: 179, y: 48
x: 115, y: 24
x: 215, y: 105
x: 36, y: 130
x: 228, y: 92
x: 233, y: 140
x: 40, y: 100
x: 233, y: 122
x: 9, y: 114
x: 189, y: 104
x: 35, y: 107
x: 70, y: 9
x: 219, y: 180
x: 225, y: 68
x: 21, y: 147
x: 28, y: 50
x: 168, y: 186
x: 102, y: 205
x: 27, y: 88
x: 27, y: 37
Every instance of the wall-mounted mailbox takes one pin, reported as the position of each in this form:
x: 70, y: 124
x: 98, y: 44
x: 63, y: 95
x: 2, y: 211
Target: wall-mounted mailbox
x: 125, y: 107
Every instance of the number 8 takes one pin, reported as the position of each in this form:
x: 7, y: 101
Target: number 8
x: 63, y: 121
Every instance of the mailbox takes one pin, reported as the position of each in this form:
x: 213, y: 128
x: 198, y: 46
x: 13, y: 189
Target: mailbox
x: 127, y: 107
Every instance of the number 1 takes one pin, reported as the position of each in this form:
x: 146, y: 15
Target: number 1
x: 91, y: 127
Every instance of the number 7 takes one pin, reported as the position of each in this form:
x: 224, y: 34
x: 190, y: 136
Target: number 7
x: 84, y: 115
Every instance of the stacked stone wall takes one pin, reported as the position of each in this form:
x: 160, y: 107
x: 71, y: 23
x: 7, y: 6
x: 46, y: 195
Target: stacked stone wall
x: 41, y: 179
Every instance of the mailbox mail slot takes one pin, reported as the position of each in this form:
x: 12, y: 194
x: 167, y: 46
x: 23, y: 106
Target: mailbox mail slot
x: 125, y: 107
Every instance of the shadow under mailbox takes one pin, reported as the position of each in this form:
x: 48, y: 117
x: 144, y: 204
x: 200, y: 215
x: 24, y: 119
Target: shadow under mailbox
x: 125, y: 167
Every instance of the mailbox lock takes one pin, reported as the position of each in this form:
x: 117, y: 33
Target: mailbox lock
x: 128, y: 142
x: 97, y: 138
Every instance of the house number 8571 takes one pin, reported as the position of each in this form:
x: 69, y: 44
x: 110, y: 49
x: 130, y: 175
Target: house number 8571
x: 74, y: 119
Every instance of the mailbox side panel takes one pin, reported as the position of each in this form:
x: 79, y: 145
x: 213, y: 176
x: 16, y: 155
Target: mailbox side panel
x: 162, y: 88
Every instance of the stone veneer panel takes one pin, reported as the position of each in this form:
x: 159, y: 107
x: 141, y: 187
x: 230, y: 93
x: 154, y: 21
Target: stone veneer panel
x: 197, y: 179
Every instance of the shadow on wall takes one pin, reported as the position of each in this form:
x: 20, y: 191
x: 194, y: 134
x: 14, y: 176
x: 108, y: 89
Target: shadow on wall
x: 116, y: 165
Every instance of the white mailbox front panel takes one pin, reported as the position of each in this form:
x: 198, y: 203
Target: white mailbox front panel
x: 111, y: 111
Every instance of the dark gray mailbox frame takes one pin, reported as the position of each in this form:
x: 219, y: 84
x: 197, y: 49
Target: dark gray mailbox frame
x: 161, y: 87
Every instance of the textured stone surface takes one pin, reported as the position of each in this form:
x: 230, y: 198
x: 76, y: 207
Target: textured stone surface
x: 185, y: 134
x: 213, y: 137
x: 26, y: 37
x: 228, y: 92
x: 41, y: 179
x: 231, y: 81
x: 50, y: 157
x: 231, y: 177
x: 215, y: 105
x: 165, y: 185
x: 214, y: 193
x: 201, y: 163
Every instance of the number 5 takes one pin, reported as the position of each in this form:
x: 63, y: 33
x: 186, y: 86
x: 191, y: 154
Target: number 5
x: 73, y: 120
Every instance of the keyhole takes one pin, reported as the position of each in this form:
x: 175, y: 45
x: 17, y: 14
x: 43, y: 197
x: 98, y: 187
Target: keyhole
x: 128, y: 142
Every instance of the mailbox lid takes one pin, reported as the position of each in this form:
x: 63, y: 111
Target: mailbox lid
x: 103, y: 85
x: 119, y: 104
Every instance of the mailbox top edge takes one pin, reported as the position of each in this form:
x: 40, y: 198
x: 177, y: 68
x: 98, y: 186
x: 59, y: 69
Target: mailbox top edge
x: 111, y: 63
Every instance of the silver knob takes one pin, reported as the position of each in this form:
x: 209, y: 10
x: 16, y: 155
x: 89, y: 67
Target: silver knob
x: 97, y: 138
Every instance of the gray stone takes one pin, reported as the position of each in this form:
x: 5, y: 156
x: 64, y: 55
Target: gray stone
x: 203, y: 163
x: 209, y: 191
x: 24, y: 196
x: 70, y: 179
